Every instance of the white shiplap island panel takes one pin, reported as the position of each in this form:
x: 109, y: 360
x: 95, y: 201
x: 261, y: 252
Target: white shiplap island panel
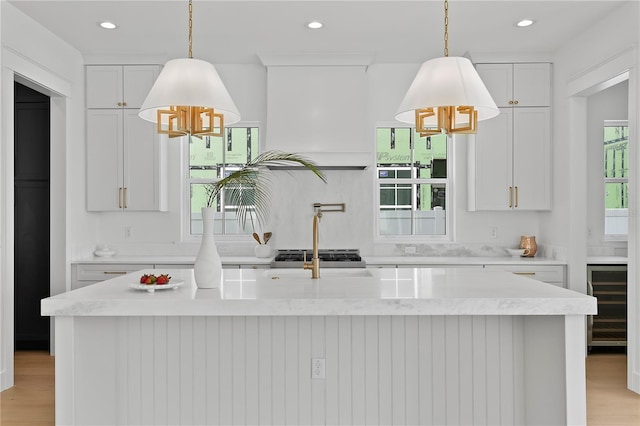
x: 394, y: 366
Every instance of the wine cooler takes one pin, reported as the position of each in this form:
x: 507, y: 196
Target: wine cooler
x: 608, y: 283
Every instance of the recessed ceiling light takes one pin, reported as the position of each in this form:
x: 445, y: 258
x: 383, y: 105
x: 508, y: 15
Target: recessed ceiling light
x: 524, y: 23
x: 315, y: 25
x: 108, y: 25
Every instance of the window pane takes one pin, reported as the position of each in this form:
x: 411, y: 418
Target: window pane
x: 428, y: 218
x: 616, y: 195
x: 205, y: 157
x: 393, y: 146
x: 430, y: 213
x: 430, y: 156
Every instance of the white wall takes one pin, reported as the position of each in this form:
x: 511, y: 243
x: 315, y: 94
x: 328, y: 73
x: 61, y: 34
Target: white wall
x: 43, y: 61
x: 609, y: 104
x: 595, y: 45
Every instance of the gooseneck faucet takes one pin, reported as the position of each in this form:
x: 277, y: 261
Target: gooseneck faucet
x: 314, y: 265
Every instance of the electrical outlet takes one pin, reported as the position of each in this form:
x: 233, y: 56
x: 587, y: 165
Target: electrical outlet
x: 410, y: 250
x: 493, y: 232
x: 317, y: 368
x: 128, y: 232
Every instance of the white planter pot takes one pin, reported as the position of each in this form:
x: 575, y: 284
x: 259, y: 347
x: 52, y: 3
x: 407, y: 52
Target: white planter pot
x: 262, y: 250
x: 208, y: 266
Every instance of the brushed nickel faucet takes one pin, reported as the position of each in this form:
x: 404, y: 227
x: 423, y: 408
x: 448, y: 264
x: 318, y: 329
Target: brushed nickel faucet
x: 314, y: 265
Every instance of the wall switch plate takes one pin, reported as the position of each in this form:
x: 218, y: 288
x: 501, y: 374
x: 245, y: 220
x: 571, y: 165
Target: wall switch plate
x: 493, y: 232
x: 317, y: 368
x: 410, y: 250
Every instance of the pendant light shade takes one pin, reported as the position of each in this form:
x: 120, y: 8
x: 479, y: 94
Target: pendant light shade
x: 447, y: 82
x: 189, y: 98
x: 447, y: 95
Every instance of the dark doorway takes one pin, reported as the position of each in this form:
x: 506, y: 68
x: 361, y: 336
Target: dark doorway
x: 31, y: 228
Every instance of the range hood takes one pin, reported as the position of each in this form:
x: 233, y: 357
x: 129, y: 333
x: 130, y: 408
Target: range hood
x: 317, y: 107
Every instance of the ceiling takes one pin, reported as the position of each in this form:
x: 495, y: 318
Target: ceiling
x: 238, y: 31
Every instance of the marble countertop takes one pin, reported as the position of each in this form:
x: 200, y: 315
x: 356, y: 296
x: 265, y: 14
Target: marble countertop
x: 369, y: 260
x: 607, y: 260
x: 165, y: 259
x: 282, y: 292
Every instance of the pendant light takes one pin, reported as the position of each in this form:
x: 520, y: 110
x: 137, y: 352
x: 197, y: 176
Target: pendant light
x: 189, y: 98
x: 447, y: 95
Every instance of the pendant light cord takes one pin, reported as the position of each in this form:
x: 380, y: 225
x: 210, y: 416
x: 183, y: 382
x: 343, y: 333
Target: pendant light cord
x: 190, y: 29
x: 446, y: 28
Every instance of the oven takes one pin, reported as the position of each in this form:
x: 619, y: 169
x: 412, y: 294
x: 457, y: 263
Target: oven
x: 329, y: 258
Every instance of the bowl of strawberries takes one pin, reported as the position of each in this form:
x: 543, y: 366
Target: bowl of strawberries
x: 152, y: 282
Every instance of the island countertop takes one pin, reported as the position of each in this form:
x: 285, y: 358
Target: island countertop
x: 248, y: 292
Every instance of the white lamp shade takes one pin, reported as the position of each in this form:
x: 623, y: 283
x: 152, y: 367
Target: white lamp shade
x: 189, y: 82
x: 447, y: 81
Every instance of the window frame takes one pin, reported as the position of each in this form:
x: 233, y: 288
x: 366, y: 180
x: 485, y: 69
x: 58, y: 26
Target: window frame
x: 185, y: 189
x: 449, y: 234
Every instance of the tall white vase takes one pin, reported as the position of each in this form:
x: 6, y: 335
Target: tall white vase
x: 208, y: 266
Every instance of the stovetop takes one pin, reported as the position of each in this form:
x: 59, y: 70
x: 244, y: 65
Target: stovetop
x: 329, y: 258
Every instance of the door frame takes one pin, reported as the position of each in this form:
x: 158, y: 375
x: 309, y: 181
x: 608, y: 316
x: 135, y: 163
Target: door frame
x: 16, y: 67
x: 623, y: 66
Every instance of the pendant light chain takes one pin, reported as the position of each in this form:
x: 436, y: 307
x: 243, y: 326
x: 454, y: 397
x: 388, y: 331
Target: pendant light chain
x: 446, y: 28
x: 190, y: 29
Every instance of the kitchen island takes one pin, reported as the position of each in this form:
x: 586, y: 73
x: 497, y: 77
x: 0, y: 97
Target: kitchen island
x: 384, y: 346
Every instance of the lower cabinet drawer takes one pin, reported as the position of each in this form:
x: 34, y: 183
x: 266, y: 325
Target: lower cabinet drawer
x: 104, y: 272
x: 550, y: 274
x: 83, y: 275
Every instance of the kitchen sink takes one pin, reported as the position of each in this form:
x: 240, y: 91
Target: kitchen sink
x: 324, y: 273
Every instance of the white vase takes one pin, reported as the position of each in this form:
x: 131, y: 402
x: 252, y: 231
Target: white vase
x: 208, y: 266
x: 262, y: 250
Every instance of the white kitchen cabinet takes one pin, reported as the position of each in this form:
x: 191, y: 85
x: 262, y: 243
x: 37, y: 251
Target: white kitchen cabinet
x: 552, y: 274
x: 125, y: 162
x: 83, y: 275
x: 126, y: 159
x: 520, y: 85
x: 510, y: 156
x: 119, y: 86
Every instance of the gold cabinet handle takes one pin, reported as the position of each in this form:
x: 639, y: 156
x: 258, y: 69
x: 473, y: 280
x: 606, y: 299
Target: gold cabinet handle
x: 510, y: 197
x: 124, y: 197
x: 515, y: 102
x: 524, y: 273
x: 510, y: 102
x: 120, y: 197
x: 113, y: 273
x: 516, y: 196
x: 119, y: 103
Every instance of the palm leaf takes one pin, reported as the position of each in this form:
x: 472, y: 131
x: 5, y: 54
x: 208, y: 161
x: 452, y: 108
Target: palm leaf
x: 249, y: 188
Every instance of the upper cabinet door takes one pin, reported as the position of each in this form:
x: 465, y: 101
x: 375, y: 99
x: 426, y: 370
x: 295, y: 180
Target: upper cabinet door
x: 138, y: 81
x: 498, y: 78
x: 518, y: 85
x: 118, y: 86
x: 532, y: 84
x: 104, y: 86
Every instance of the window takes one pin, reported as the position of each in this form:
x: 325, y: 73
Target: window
x: 412, y: 183
x: 210, y: 159
x: 616, y: 178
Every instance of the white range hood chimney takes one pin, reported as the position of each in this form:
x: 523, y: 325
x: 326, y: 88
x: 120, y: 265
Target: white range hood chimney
x: 317, y: 107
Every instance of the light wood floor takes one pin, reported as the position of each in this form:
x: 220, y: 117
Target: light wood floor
x: 31, y: 401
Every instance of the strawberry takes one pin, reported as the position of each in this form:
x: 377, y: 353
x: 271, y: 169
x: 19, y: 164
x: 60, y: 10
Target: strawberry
x: 143, y: 279
x: 151, y: 279
x: 163, y: 279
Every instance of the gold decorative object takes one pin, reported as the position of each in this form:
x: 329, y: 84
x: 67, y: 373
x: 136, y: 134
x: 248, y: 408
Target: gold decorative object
x: 528, y: 243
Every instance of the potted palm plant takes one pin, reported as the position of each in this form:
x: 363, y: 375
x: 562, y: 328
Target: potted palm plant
x: 248, y: 189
